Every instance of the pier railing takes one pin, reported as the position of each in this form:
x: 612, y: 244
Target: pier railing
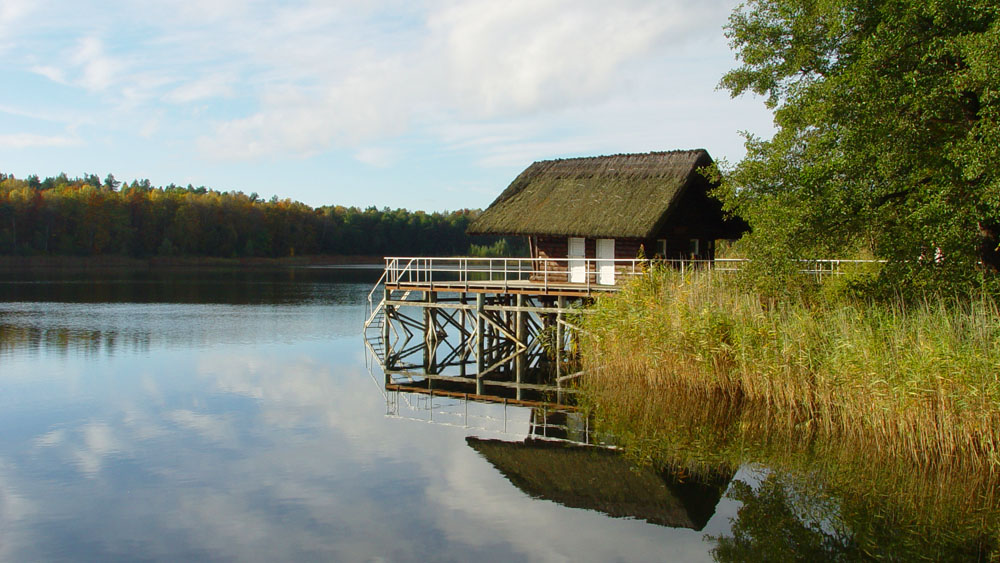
x: 374, y: 308
x: 590, y: 274
x: 585, y: 273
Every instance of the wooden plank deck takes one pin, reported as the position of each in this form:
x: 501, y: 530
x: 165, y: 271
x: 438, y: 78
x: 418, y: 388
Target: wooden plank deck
x: 526, y: 287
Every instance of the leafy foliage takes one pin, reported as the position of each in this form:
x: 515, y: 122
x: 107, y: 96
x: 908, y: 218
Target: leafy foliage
x: 84, y: 217
x: 888, y: 134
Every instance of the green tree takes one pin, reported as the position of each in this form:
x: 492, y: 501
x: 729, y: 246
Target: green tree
x: 888, y: 134
x: 110, y: 183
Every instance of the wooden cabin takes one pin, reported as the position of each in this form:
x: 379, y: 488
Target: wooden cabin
x: 607, y: 207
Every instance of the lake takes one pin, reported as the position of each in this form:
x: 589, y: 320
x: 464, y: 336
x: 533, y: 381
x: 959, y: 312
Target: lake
x: 232, y: 415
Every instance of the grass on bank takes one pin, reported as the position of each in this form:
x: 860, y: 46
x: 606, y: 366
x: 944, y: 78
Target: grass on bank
x: 916, y: 381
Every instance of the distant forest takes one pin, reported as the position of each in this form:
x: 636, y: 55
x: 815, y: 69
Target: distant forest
x: 87, y: 216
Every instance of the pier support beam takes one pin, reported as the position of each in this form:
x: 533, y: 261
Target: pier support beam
x: 480, y: 341
x: 559, y: 335
x: 520, y: 332
x: 386, y: 347
x: 430, y: 337
x: 464, y: 355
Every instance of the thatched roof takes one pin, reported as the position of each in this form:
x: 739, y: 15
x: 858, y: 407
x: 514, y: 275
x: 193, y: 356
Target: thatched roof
x: 620, y: 196
x: 600, y: 479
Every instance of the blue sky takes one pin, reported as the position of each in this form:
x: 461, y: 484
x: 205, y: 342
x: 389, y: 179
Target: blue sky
x: 433, y: 105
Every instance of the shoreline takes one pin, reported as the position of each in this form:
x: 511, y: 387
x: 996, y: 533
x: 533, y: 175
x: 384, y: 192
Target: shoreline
x: 42, y: 263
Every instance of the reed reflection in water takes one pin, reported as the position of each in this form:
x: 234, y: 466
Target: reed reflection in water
x: 805, y: 493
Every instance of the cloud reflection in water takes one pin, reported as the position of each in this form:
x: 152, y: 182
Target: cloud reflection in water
x: 266, y: 444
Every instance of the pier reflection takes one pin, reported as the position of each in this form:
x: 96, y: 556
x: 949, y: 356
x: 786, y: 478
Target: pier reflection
x: 492, y: 414
x: 552, y: 451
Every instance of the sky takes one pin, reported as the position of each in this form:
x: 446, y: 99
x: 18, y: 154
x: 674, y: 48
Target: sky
x: 422, y: 104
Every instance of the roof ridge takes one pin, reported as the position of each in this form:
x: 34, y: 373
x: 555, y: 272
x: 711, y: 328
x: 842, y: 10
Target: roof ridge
x: 636, y: 154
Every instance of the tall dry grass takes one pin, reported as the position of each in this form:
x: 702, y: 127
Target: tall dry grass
x: 919, y: 382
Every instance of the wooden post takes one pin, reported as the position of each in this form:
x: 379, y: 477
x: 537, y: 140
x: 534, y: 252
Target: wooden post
x: 520, y: 332
x: 386, y: 319
x: 560, y: 303
x: 480, y: 341
x: 430, y: 337
x: 461, y: 360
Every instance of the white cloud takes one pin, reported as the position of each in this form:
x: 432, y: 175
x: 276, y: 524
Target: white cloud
x: 85, y: 64
x: 469, y: 61
x: 525, y: 55
x: 97, y: 70
x: 29, y: 140
x: 13, y: 10
x: 375, y: 156
x: 365, y: 105
x: 56, y: 117
x: 51, y: 72
x: 207, y: 87
x: 152, y: 125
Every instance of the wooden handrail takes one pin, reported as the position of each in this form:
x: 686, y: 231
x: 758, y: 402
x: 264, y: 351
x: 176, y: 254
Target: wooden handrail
x: 433, y: 270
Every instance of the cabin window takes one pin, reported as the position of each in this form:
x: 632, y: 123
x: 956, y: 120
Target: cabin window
x: 693, y: 247
x: 661, y: 247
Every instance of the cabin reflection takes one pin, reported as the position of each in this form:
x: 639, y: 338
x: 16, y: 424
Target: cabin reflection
x: 551, y: 451
x: 604, y: 480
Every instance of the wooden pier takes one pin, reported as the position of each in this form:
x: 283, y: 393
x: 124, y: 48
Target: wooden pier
x: 500, y: 326
x: 507, y: 327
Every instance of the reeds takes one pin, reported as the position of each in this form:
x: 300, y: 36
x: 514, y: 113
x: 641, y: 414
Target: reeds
x: 917, y: 381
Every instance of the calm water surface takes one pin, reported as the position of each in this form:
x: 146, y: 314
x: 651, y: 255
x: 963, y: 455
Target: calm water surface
x: 230, y: 415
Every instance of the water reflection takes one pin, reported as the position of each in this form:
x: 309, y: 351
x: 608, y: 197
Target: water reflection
x: 218, y: 430
x: 235, y: 286
x: 133, y: 312
x: 796, y: 491
x: 814, y: 493
x: 261, y: 444
x: 493, y: 414
x: 16, y: 337
x: 561, y: 458
x: 605, y: 481
x: 790, y: 515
